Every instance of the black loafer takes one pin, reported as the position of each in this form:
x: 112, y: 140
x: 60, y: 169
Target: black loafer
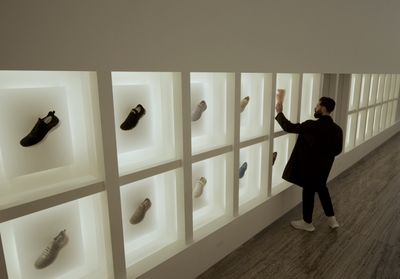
x: 40, y: 130
x: 133, y: 118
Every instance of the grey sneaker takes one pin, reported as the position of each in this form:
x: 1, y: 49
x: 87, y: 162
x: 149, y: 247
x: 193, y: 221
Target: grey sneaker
x: 243, y: 103
x: 332, y: 222
x: 51, y: 251
x: 197, y: 112
x: 198, y: 188
x: 138, y: 216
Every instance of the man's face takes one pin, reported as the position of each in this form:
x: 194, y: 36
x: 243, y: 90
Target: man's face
x: 318, y: 111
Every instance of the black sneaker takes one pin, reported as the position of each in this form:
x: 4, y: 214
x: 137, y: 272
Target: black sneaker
x: 133, y: 118
x: 274, y: 155
x: 40, y: 130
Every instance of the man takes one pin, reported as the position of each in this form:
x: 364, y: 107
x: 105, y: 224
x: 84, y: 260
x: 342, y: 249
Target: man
x: 318, y: 143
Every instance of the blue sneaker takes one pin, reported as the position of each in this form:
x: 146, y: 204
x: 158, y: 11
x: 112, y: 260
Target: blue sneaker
x: 242, y: 170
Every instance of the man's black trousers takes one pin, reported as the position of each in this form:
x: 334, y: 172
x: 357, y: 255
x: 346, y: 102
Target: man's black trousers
x: 308, y: 202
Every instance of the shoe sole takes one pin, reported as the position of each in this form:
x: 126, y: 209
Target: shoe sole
x: 301, y: 228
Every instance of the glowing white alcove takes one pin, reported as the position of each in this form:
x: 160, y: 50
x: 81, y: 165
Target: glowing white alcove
x: 389, y: 115
x: 289, y: 82
x: 392, y: 86
x: 210, y: 130
x: 350, y: 131
x: 250, y: 183
x: 282, y: 146
x: 252, y: 120
x: 377, y: 120
x: 365, y: 89
x: 373, y: 89
x: 355, y: 89
x: 370, y: 123
x: 152, y: 140
x: 212, y: 203
x: 382, y: 125
x: 158, y: 228
x: 86, y: 254
x: 310, y: 94
x: 381, y: 87
x: 70, y: 155
x: 386, y: 91
x: 362, y: 115
x: 394, y: 112
x: 397, y: 87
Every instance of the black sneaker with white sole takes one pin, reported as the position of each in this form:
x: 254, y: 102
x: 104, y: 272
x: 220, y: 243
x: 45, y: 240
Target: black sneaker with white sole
x: 40, y: 130
x: 133, y: 118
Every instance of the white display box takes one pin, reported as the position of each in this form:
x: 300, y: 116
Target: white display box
x: 152, y: 140
x: 211, y: 205
x: 361, y: 122
x: 389, y: 115
x: 377, y: 120
x: 70, y: 155
x: 382, y: 124
x: 253, y: 120
x: 394, y: 112
x: 381, y: 87
x: 370, y: 123
x: 373, y: 89
x: 386, y: 91
x: 84, y: 256
x: 310, y: 94
x: 350, y: 132
x: 393, y: 81
x: 283, y: 147
x: 217, y: 90
x: 355, y: 90
x: 254, y: 177
x: 365, y: 88
x: 159, y: 227
x: 289, y: 82
x: 397, y: 87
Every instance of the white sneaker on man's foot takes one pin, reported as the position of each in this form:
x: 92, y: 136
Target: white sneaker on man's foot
x: 301, y: 225
x: 332, y: 222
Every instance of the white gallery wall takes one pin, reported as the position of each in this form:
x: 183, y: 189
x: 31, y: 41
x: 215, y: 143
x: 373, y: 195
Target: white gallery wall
x: 308, y: 36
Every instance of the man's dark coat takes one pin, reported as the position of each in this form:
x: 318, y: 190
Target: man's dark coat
x: 318, y: 143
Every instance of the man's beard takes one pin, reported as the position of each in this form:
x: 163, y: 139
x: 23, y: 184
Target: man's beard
x: 317, y: 114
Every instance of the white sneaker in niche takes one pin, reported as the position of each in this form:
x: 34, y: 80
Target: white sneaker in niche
x: 198, y: 111
x: 243, y: 103
x: 199, y: 186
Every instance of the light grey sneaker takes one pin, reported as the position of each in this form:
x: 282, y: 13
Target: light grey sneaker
x: 332, y: 222
x: 243, y: 103
x: 51, y: 251
x: 140, y: 212
x: 197, y: 112
x: 301, y: 225
x: 199, y: 186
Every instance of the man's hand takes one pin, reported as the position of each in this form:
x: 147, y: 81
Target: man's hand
x: 279, y: 100
x: 278, y: 107
x: 280, y: 95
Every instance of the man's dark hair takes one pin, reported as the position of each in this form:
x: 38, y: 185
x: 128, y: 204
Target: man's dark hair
x: 328, y: 103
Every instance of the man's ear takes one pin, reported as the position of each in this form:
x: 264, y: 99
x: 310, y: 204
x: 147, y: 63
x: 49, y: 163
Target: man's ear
x: 323, y: 109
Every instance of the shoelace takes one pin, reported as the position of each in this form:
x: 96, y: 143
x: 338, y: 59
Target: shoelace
x: 49, y: 251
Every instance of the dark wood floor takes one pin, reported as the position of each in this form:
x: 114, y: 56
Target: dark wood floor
x: 366, y: 199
